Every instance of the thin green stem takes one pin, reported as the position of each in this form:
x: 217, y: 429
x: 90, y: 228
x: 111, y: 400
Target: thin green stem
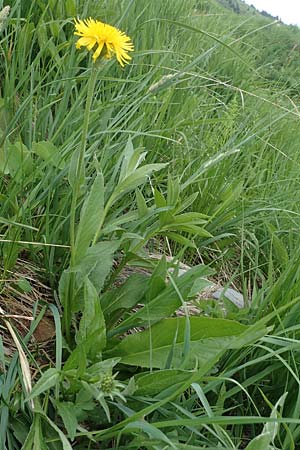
x: 80, y: 169
x: 79, y: 179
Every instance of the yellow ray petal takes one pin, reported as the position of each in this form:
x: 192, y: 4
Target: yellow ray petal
x: 110, y: 40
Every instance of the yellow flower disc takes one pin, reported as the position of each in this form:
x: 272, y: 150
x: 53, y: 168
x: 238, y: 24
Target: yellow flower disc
x: 108, y: 40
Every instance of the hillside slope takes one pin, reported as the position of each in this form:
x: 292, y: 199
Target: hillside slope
x: 276, y: 46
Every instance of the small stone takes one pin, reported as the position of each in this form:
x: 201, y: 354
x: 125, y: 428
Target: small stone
x: 230, y: 294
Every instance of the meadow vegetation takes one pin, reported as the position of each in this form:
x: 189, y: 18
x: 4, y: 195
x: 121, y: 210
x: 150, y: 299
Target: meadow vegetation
x: 191, y: 155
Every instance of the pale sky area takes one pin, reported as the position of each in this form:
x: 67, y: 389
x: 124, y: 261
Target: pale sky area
x: 287, y: 10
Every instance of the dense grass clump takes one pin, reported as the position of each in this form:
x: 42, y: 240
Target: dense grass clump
x: 125, y: 193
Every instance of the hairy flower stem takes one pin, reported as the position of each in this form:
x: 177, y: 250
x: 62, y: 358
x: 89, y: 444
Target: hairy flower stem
x: 79, y: 179
x: 80, y: 168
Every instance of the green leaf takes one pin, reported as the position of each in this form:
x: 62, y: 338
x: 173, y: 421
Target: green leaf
x: 92, y: 330
x: 141, y: 204
x: 46, y: 382
x: 49, y: 153
x: 24, y: 285
x: 270, y: 430
x: 3, y: 161
x: 209, y: 338
x: 63, y: 287
x: 134, y: 180
x: 115, y: 224
x: 157, y: 282
x: 261, y: 442
x: 185, y: 242
x: 153, y: 432
x: 70, y: 6
x: 3, y: 117
x: 35, y: 439
x: 160, y: 200
x: 131, y: 160
x: 72, y: 173
x: 199, y: 285
x: 216, y: 159
x: 65, y: 443
x: 76, y: 361
x: 91, y: 218
x: 173, y: 191
x: 166, y: 302
x: 96, y: 264
x: 127, y: 155
x: 124, y: 297
x: 187, y: 202
x: 278, y: 246
x: 19, y: 160
x: 67, y: 412
x: 192, y: 229
x: 153, y: 383
x: 190, y: 218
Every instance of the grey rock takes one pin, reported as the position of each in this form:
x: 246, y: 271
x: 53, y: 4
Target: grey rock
x: 235, y: 297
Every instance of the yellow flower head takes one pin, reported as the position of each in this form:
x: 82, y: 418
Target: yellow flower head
x: 108, y: 39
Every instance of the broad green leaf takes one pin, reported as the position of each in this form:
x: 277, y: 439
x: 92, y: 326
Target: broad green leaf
x: 153, y: 383
x: 173, y: 191
x: 136, y: 159
x: 63, y: 287
x: 96, y: 264
x: 208, y: 338
x: 49, y: 153
x: 46, y: 382
x: 134, y: 180
x: 19, y: 160
x: 127, y: 155
x: 278, y: 246
x: 3, y: 161
x: 166, y: 302
x: 72, y: 173
x: 185, y: 242
x: 67, y: 412
x: 92, y: 330
x: 261, y: 442
x: 199, y: 285
x: 35, y: 439
x: 91, y: 218
x: 157, y: 282
x: 115, y: 224
x: 102, y: 367
x: 190, y: 218
x: 141, y: 204
x: 160, y: 200
x: 65, y: 443
x: 192, y: 229
x: 70, y: 6
x: 270, y: 430
x: 46, y: 43
x: 77, y: 361
x: 20, y: 429
x: 124, y: 297
x: 187, y: 202
x: 3, y: 116
x: 131, y: 160
x: 24, y: 285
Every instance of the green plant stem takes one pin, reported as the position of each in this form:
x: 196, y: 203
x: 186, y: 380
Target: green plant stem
x: 80, y: 169
x: 79, y: 178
